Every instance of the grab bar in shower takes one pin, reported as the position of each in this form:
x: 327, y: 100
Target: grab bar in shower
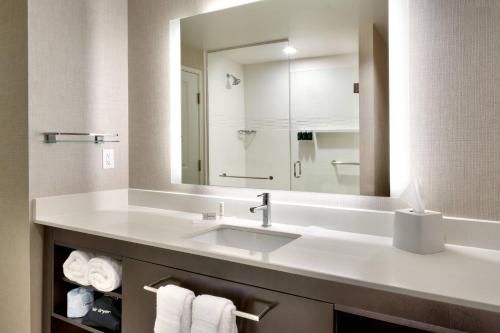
x: 250, y: 316
x: 334, y: 162
x: 247, y: 132
x: 225, y: 175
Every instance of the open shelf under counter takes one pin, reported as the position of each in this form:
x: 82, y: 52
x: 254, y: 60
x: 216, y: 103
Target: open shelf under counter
x: 61, y: 323
x: 61, y: 285
x: 117, y: 293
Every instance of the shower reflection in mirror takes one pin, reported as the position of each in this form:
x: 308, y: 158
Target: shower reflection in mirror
x: 272, y: 104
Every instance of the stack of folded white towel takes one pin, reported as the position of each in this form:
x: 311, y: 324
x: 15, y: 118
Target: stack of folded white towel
x: 178, y: 311
x: 102, y: 273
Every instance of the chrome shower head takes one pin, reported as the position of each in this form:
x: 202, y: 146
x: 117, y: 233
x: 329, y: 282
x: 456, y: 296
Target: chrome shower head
x: 235, y: 81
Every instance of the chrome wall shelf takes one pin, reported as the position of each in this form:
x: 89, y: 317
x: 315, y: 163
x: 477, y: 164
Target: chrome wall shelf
x: 335, y: 130
x: 55, y: 137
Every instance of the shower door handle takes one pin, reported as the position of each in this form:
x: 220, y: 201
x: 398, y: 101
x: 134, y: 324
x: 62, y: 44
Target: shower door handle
x: 297, y: 172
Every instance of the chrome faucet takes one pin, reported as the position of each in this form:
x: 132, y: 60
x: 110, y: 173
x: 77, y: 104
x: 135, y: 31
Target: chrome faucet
x: 265, y: 208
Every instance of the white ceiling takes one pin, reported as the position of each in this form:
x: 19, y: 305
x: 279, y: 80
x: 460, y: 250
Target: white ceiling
x: 314, y: 27
x: 257, y: 54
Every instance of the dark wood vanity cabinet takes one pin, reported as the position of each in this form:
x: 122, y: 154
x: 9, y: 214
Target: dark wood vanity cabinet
x: 288, y: 313
x: 352, y: 323
x: 298, y: 304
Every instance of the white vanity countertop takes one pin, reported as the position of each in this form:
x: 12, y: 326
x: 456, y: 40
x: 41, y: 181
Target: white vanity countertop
x: 460, y: 275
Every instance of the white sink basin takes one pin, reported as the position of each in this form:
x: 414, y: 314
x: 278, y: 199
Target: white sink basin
x: 246, y: 238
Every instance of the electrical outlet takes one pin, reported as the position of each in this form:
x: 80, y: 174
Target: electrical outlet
x: 108, y: 159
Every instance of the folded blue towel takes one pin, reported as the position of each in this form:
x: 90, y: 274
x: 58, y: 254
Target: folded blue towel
x: 79, y: 302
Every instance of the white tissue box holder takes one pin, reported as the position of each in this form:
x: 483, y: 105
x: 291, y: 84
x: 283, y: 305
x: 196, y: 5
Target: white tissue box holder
x: 421, y: 233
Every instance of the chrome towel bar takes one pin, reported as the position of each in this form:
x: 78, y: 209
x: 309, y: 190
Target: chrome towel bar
x: 241, y: 314
x: 225, y: 175
x: 344, y: 163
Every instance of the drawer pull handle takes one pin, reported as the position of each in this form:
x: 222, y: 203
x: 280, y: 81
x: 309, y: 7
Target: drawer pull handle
x: 250, y: 316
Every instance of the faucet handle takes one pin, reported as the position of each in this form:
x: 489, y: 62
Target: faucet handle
x: 265, y: 196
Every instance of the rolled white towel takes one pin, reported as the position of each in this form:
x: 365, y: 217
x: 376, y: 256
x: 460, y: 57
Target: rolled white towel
x: 104, y: 274
x: 75, y: 266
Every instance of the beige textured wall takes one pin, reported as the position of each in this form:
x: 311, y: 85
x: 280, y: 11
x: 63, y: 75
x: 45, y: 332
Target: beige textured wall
x: 78, y: 77
x: 455, y: 104
x: 78, y: 82
x: 14, y: 203
x: 148, y: 89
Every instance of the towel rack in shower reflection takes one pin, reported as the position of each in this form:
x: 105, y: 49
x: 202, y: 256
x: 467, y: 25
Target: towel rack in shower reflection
x: 247, y: 132
x: 225, y: 175
x: 334, y: 162
x: 250, y: 316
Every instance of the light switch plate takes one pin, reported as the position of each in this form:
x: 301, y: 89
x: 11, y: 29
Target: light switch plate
x: 108, y: 159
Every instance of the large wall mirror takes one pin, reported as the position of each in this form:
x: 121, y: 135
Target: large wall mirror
x: 285, y: 95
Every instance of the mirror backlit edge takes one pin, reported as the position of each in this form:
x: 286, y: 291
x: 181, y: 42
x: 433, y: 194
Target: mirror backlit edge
x: 375, y: 186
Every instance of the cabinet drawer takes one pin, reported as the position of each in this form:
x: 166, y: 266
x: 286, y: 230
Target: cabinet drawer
x: 290, y: 313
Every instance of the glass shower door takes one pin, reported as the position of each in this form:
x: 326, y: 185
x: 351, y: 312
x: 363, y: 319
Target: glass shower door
x: 324, y: 134
x: 248, y: 122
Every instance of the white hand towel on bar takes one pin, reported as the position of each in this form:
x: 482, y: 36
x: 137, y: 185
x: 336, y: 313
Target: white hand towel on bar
x: 213, y: 315
x: 104, y: 274
x: 173, y: 310
x: 75, y: 266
